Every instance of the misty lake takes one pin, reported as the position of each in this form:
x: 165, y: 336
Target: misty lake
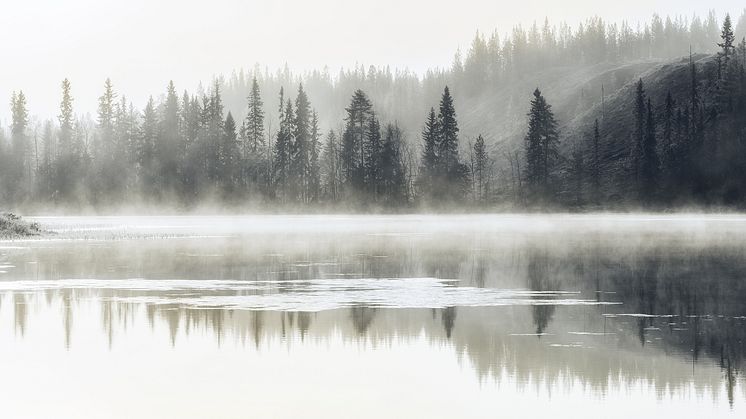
x: 375, y: 316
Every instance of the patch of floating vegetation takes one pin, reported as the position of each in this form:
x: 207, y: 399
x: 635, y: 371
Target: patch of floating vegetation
x: 13, y: 226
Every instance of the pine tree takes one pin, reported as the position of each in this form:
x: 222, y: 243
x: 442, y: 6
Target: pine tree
x: 330, y: 167
x: 728, y: 69
x: 596, y: 164
x: 668, y: 147
x: 282, y: 151
x: 44, y: 176
x: 392, y: 170
x: 146, y: 150
x: 19, y: 148
x: 101, y: 184
x: 577, y: 173
x: 123, y: 143
x: 638, y: 138
x: 447, y: 135
x: 429, y: 157
x: 229, y: 155
x: 170, y: 147
x: 352, y: 159
x: 193, y: 166
x: 451, y: 174
x: 300, y: 149
x: 649, y: 167
x: 481, y: 161
x: 314, y: 165
x: 254, y: 165
x: 373, y: 147
x: 727, y: 44
x: 541, y: 146
x: 67, y: 164
x: 105, y: 127
x: 215, y: 132
x: 67, y: 120
x: 253, y: 126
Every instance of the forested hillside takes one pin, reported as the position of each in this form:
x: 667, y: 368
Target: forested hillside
x: 381, y: 138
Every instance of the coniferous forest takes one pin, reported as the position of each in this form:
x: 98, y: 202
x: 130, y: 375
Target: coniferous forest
x: 657, y: 121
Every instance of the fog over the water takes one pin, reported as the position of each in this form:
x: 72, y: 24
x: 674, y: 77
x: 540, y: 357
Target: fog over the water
x: 142, y: 44
x: 617, y: 316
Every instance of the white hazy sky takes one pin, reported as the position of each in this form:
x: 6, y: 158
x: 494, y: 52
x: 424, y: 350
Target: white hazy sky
x: 141, y: 44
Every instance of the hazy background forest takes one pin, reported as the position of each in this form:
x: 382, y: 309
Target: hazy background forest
x: 598, y: 115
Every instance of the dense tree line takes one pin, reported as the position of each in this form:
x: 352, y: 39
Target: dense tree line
x: 191, y: 147
x: 493, y: 61
x: 689, y: 151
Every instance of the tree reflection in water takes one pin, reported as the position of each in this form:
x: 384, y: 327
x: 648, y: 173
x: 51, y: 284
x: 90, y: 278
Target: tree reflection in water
x: 682, y: 302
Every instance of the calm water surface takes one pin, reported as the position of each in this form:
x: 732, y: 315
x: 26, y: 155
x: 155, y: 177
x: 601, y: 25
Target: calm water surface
x: 375, y: 316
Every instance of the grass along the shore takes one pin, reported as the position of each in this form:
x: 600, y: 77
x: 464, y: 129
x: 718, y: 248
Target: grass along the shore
x: 13, y: 226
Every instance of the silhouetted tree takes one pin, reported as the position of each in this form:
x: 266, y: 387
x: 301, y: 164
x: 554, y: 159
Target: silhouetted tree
x: 595, y: 165
x: 392, y: 171
x: 429, y: 157
x: 252, y: 131
x: 481, y: 163
x: 18, y: 170
x: 352, y: 159
x: 282, y: 149
x: 541, y: 143
x: 229, y: 156
x: 650, y: 165
x: 330, y: 166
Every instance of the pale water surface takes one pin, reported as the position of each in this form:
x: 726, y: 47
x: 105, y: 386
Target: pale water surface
x: 597, y: 316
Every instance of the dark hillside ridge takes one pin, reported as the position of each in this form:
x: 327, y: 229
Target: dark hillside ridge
x: 721, y: 132
x: 616, y: 119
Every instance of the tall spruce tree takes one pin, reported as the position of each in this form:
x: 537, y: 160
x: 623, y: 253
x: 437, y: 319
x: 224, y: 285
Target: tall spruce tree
x: 727, y: 45
x: 668, y: 147
x: 44, y: 174
x: 650, y: 165
x: 314, y: 175
x: 255, y: 156
x: 357, y: 122
x: 66, y: 119
x: 229, y: 156
x: 146, y: 159
x: 373, y: 147
x: 429, y: 165
x: 447, y: 136
x: 253, y: 126
x: 300, y: 148
x: 451, y: 175
x: 282, y: 148
x: 541, y: 147
x: 596, y: 164
x: 105, y: 122
x: 213, y: 133
x: 20, y: 162
x: 69, y: 153
x: 638, y: 138
x: 170, y: 146
x: 106, y: 182
x: 125, y: 134
x: 728, y: 69
x: 577, y: 173
x: 479, y: 175
x: 392, y: 171
x: 330, y: 167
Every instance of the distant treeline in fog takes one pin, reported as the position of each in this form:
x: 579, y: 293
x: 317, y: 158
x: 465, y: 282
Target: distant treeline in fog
x: 376, y: 139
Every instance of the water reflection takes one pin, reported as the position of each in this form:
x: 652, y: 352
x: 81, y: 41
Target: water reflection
x: 609, y: 314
